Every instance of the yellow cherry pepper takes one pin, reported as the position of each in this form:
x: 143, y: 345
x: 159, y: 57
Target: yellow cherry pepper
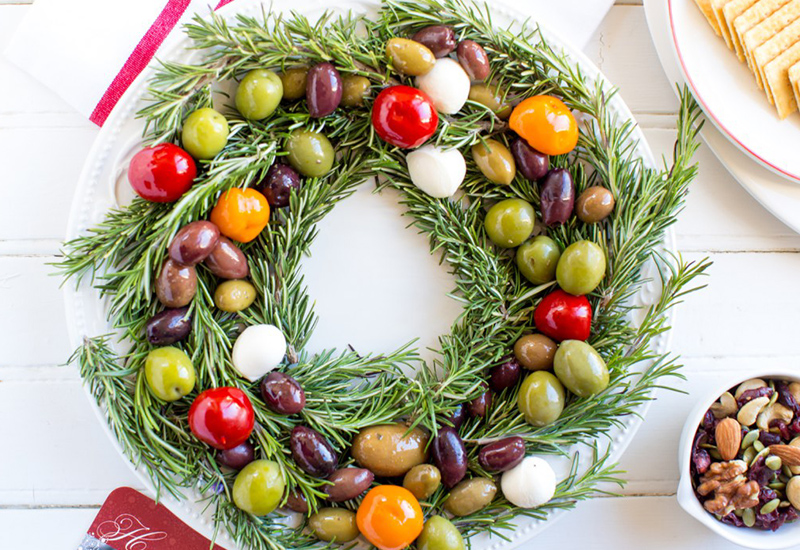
x: 241, y: 214
x: 546, y: 123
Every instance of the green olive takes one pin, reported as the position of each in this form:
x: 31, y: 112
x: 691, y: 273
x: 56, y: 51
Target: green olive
x: 233, y: 296
x: 439, y: 534
x: 510, y: 222
x: 581, y: 268
x: 258, y: 488
x: 423, y: 480
x: 580, y: 368
x: 541, y: 398
x: 310, y: 153
x: 354, y: 89
x: 390, y: 450
x: 410, y: 57
x: 205, y: 133
x: 470, y: 496
x: 537, y: 259
x: 535, y: 352
x: 495, y: 161
x: 259, y: 94
x: 169, y: 373
x: 488, y: 96
x: 334, y: 525
x: 294, y: 83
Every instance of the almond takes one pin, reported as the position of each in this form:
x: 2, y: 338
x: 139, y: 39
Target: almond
x: 729, y: 437
x: 789, y: 455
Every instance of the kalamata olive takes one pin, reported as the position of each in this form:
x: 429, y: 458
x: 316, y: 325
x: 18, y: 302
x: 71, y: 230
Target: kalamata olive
x: 227, y: 261
x: 439, y: 39
x: 502, y: 455
x: 473, y: 59
x: 281, y: 181
x: 296, y: 502
x: 594, y: 204
x: 194, y: 242
x: 505, y: 375
x: 557, y: 197
x: 334, y: 524
x: 449, y: 455
x: 312, y: 452
x: 470, y: 496
x: 282, y: 393
x: 354, y: 89
x: 532, y: 164
x: 176, y: 284
x: 390, y: 450
x: 488, y: 96
x: 495, y: 161
x: 323, y: 90
x: 238, y: 457
x: 423, y: 480
x: 535, y: 352
x: 458, y: 416
x: 294, y: 83
x: 233, y: 296
x: 479, y: 407
x: 169, y: 326
x: 410, y: 57
x: 348, y: 483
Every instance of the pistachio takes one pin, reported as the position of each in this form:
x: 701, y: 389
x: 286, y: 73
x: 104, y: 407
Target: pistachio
x: 774, y: 411
x: 751, y: 384
x: 749, y: 412
x: 770, y: 506
x: 726, y: 406
x: 750, y: 438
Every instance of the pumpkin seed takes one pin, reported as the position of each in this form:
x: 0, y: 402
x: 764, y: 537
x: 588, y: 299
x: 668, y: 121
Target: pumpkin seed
x: 773, y: 462
x: 749, y: 454
x: 749, y: 517
x: 784, y: 504
x: 763, y: 452
x: 715, y: 454
x: 738, y: 512
x: 777, y: 486
x: 758, y: 446
x: 770, y: 506
x: 750, y: 438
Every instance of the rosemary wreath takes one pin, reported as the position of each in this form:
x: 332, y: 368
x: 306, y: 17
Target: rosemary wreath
x: 347, y: 391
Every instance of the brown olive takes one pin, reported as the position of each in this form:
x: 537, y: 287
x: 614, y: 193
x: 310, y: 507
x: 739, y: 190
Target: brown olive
x: 532, y: 164
x: 439, y: 39
x: 502, y: 455
x: 294, y: 83
x: 557, y: 197
x: 194, y: 242
x: 334, y: 525
x: 233, y: 296
x: 282, y: 394
x: 348, y: 483
x: 323, y: 90
x: 479, y: 406
x: 449, y: 455
x: 535, y: 352
x: 169, y: 326
x: 488, y: 96
x: 495, y: 161
x: 410, y: 57
x: 296, y: 502
x: 594, y: 204
x: 423, y: 480
x: 176, y: 284
x: 473, y: 59
x: 238, y: 457
x: 387, y: 451
x: 470, y: 496
x: 227, y: 261
x: 355, y: 89
x: 312, y: 452
x: 504, y: 375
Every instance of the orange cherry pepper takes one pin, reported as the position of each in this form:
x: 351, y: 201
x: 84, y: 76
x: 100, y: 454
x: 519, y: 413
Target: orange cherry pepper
x: 390, y: 517
x: 241, y: 214
x: 546, y: 123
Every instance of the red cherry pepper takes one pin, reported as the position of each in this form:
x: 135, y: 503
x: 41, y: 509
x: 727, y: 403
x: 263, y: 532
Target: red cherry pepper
x: 222, y: 417
x: 404, y: 117
x: 162, y: 173
x: 562, y: 316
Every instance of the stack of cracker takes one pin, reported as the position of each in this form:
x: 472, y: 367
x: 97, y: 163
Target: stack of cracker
x: 766, y: 35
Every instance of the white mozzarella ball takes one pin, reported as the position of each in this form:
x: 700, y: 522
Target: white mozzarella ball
x: 437, y: 172
x: 447, y: 84
x: 258, y: 350
x: 529, y: 484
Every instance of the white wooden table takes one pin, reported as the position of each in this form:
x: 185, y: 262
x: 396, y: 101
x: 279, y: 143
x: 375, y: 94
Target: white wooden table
x: 56, y: 465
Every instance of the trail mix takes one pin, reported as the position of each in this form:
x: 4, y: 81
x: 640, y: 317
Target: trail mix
x: 746, y: 455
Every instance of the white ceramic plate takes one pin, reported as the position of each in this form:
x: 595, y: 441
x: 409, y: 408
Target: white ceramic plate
x: 729, y: 95
x: 779, y: 195
x: 102, y: 181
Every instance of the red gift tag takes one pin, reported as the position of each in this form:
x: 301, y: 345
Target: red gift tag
x: 129, y: 520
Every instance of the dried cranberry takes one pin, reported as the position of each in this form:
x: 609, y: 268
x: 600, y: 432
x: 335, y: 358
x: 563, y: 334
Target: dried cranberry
x: 781, y: 426
x: 732, y: 519
x: 769, y: 522
x: 794, y: 427
x: 766, y: 494
x: 749, y: 395
x: 767, y: 438
x: 760, y: 473
x: 709, y: 421
x: 700, y: 457
x: 786, y: 398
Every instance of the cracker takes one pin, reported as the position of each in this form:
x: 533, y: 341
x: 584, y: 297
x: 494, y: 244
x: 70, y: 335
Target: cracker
x: 765, y: 30
x: 772, y: 49
x: 794, y: 78
x: 755, y: 15
x: 717, y: 6
x: 705, y: 7
x: 776, y: 79
x: 730, y: 12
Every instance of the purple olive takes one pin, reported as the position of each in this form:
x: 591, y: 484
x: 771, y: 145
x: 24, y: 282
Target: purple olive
x: 504, y: 376
x: 281, y: 181
x: 557, y: 197
x: 457, y: 417
x: 237, y: 457
x: 323, y: 90
x: 282, y: 393
x: 169, y: 326
x: 348, y: 483
x: 532, y: 164
x: 227, y: 261
x: 473, y: 59
x: 439, y: 39
x: 194, y: 242
x: 312, y: 452
x: 479, y: 407
x: 502, y: 455
x: 450, y: 456
x: 296, y: 502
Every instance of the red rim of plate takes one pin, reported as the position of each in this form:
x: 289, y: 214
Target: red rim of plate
x: 710, y: 113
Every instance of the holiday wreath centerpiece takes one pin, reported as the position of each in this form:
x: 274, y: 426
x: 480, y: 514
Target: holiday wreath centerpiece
x: 524, y: 179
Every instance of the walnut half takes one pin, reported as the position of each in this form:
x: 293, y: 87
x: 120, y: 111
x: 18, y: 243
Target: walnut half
x: 731, y: 489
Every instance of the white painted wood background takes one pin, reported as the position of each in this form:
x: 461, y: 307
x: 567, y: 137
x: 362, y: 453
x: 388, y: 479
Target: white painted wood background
x: 56, y: 465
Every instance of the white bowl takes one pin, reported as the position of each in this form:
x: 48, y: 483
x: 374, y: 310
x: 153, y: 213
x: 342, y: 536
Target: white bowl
x: 787, y: 535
